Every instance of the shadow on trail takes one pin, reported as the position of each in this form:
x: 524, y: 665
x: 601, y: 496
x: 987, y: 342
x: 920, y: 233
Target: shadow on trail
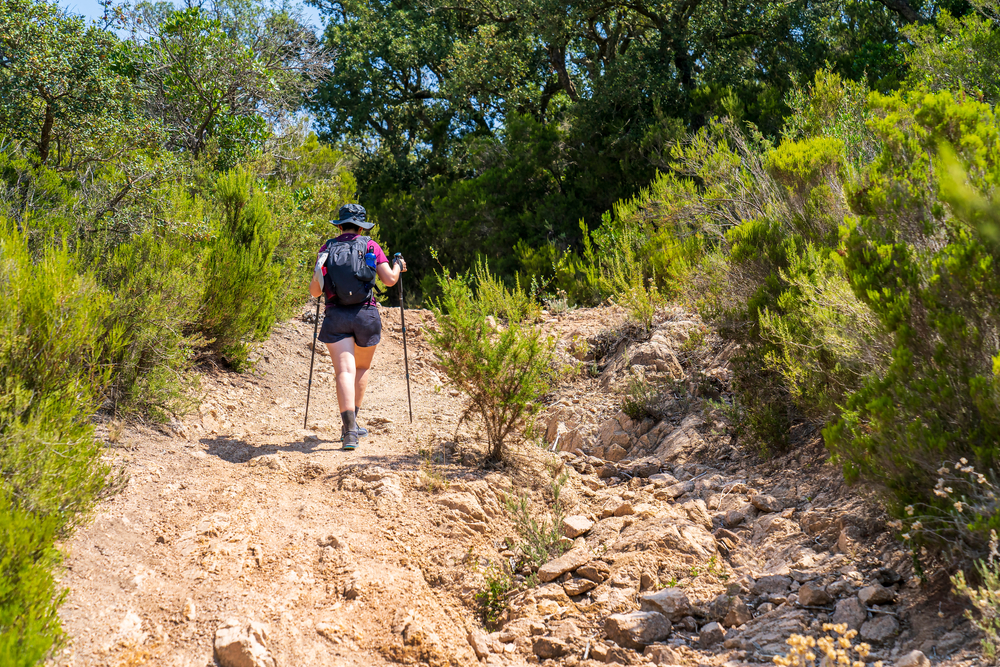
x: 233, y: 450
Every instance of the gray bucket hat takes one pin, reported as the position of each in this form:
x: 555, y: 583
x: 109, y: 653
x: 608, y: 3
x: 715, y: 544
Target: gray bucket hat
x: 353, y: 214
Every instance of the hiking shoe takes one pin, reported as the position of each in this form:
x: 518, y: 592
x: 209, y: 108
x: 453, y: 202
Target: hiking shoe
x: 350, y: 440
x: 362, y: 431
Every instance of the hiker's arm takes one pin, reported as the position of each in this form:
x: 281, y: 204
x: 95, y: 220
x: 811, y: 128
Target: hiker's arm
x: 316, y: 286
x: 389, y: 273
x: 315, y: 289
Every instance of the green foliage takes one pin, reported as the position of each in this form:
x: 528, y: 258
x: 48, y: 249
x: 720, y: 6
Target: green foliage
x: 242, y: 279
x: 29, y: 597
x: 985, y: 599
x: 493, y: 598
x: 67, y: 89
x: 51, y: 325
x: 503, y: 369
x: 156, y: 285
x: 541, y: 535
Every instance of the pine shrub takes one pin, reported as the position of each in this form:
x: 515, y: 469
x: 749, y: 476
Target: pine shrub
x: 503, y: 369
x: 242, y: 278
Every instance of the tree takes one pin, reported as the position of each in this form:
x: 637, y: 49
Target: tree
x: 224, y: 71
x: 67, y: 89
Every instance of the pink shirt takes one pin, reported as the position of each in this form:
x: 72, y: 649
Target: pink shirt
x: 374, y: 247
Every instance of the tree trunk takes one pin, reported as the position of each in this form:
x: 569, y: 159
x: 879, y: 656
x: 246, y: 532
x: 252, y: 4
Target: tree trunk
x: 45, y: 140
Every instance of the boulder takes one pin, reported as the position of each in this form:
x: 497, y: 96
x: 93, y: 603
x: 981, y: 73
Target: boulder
x: 615, y: 452
x: 596, y: 570
x: 914, y: 659
x: 479, y: 643
x: 880, y: 629
x: 578, y: 586
x: 766, y: 503
x: 242, y: 645
x: 851, y: 612
x: 711, y: 634
x: 637, y: 629
x: 549, y: 647
x: 576, y: 525
x: 773, y: 584
x: 465, y: 503
x: 877, y: 594
x: 738, y: 614
x: 670, y: 602
x: 811, y: 595
x: 624, y: 509
x: 697, y: 511
x: 661, y: 654
x: 568, y: 562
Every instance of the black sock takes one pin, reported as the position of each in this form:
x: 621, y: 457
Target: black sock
x: 356, y: 408
x: 349, y: 422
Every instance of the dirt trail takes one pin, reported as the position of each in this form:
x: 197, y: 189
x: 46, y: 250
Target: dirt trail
x: 373, y: 557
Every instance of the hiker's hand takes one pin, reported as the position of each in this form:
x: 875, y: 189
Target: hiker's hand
x: 402, y: 264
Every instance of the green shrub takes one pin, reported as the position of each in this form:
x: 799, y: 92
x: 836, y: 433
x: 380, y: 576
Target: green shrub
x: 541, y: 534
x: 985, y: 599
x: 51, y: 472
x: 242, y: 279
x: 156, y: 283
x: 29, y: 597
x: 493, y: 598
x: 502, y: 370
x: 923, y: 258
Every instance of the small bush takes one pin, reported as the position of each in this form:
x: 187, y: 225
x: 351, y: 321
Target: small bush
x: 827, y: 651
x: 242, y: 282
x: 157, y: 284
x: 503, y: 371
x: 541, y: 536
x: 985, y: 599
x: 493, y: 598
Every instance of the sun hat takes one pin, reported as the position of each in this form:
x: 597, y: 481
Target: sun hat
x: 353, y: 214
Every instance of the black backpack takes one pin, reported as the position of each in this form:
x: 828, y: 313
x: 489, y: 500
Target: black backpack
x: 348, y: 277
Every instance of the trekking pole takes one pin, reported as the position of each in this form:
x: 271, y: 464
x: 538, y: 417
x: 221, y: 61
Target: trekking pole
x: 402, y: 320
x: 311, y: 360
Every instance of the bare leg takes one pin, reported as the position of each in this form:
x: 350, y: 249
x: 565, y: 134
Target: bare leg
x: 363, y: 361
x: 342, y: 355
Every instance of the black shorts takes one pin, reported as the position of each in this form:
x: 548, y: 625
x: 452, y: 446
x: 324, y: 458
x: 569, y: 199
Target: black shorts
x: 361, y: 322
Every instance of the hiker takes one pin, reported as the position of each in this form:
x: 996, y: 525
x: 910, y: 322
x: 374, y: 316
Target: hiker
x: 345, y: 272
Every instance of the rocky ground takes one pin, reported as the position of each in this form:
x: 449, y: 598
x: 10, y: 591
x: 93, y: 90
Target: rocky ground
x: 244, y: 539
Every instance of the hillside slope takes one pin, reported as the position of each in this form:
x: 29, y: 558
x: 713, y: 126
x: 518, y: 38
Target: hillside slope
x: 238, y: 523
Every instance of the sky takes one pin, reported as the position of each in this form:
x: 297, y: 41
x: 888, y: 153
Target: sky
x: 92, y: 10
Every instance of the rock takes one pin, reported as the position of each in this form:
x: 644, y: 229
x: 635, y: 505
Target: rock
x: 739, y: 613
x: 596, y: 570
x: 576, y: 525
x: 670, y: 602
x: 950, y: 641
x: 465, y: 503
x: 479, y: 643
x: 851, y: 612
x: 615, y: 452
x: 568, y: 562
x: 637, y: 629
x: 711, y: 634
x: 811, y: 595
x: 878, y: 594
x: 578, y: 586
x: 734, y: 518
x: 645, y: 468
x: 773, y: 584
x: 880, y: 629
x: 849, y: 536
x: 683, y: 444
x: 661, y: 654
x: 670, y: 533
x: 242, y: 645
x: 130, y: 632
x: 840, y: 588
x: 190, y: 610
x: 549, y: 647
x: 624, y: 509
x: 913, y: 659
x: 662, y: 479
x: 723, y: 534
x: 887, y: 577
x: 565, y: 630
x: 766, y: 503
x: 697, y: 511
x: 607, y: 471
x: 674, y: 491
